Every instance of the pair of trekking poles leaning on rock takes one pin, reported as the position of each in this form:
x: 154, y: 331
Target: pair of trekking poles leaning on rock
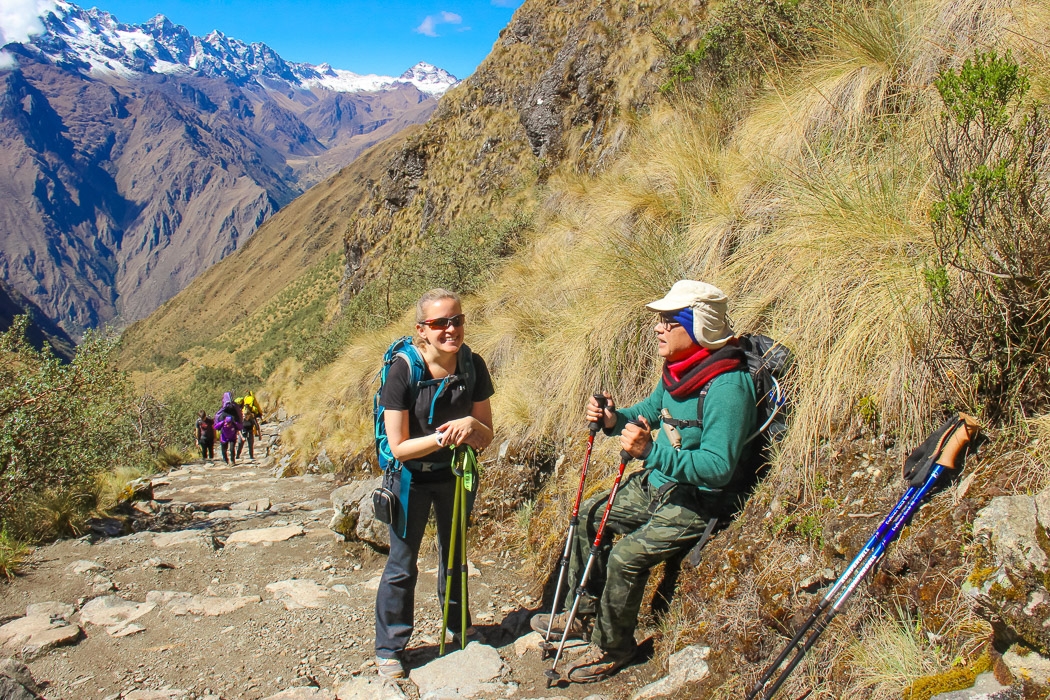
x: 433, y: 413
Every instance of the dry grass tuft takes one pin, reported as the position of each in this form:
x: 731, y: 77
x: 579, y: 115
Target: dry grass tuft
x: 110, y: 485
x: 891, y: 653
x: 12, y: 553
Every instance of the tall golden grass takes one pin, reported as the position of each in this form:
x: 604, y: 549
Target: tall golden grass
x: 811, y: 213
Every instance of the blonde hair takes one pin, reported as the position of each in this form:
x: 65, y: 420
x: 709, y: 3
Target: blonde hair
x: 435, y: 294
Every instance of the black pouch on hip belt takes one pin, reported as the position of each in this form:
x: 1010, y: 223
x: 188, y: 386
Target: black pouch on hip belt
x: 384, y: 500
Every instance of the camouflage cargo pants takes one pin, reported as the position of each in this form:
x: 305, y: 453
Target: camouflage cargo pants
x: 619, y: 573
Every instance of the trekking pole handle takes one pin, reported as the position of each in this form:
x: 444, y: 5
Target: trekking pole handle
x: 595, y: 426
x: 625, y: 456
x: 965, y: 431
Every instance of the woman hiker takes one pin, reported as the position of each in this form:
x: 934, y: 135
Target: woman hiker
x: 420, y: 433
x: 228, y: 430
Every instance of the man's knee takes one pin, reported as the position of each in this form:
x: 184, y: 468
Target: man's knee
x: 628, y: 562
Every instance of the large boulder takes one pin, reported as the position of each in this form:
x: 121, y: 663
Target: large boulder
x: 1009, y: 582
x: 354, y: 516
x: 471, y: 672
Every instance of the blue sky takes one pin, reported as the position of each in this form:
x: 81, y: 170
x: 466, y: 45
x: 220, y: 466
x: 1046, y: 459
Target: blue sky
x: 364, y: 36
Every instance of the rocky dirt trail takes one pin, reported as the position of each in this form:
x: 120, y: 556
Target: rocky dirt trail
x: 239, y: 589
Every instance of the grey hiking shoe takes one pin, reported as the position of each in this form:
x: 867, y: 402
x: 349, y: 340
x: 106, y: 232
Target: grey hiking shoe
x: 581, y: 625
x: 390, y: 668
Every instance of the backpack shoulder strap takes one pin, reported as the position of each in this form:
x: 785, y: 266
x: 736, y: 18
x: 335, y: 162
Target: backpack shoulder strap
x: 699, y: 422
x: 700, y: 404
x: 466, y: 369
x: 416, y: 367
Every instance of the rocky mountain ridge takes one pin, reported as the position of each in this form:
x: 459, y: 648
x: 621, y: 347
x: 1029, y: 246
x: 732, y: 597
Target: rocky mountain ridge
x: 132, y: 160
x: 94, y: 41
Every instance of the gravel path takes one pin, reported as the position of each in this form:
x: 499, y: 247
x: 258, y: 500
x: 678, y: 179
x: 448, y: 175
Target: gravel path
x: 245, y: 592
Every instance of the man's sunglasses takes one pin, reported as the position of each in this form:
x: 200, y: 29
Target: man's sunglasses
x: 667, y: 318
x: 446, y: 321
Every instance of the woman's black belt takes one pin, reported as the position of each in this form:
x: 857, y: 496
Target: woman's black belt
x: 417, y: 466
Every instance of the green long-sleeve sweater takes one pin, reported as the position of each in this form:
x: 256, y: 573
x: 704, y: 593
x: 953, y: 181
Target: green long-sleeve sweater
x: 709, y: 454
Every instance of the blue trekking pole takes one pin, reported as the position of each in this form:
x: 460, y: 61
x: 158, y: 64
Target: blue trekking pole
x: 826, y: 601
x: 942, y: 451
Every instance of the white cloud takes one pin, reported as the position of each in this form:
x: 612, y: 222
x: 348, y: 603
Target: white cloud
x: 506, y: 3
x: 429, y: 25
x: 19, y: 20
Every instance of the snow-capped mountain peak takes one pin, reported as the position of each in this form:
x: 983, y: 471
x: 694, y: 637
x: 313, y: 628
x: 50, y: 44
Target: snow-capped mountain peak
x: 429, y: 78
x: 95, y: 41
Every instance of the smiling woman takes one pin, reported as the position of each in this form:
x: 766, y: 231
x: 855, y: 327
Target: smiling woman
x: 448, y: 408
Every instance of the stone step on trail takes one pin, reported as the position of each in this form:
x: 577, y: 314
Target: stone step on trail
x: 266, y: 534
x: 44, y: 627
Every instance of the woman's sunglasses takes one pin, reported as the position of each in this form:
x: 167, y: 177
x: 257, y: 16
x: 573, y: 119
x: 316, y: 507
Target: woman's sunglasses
x: 446, y: 321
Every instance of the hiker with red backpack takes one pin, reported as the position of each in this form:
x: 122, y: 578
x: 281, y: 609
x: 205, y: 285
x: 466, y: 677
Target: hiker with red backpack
x: 205, y: 434
x: 662, y: 510
x: 434, y: 396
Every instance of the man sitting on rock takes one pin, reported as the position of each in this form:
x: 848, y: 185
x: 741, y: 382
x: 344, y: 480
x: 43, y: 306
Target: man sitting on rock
x: 661, y: 511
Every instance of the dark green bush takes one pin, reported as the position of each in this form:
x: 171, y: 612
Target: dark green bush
x: 742, y: 39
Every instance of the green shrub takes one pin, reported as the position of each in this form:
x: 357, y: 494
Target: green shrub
x: 991, y: 222
x: 742, y: 39
x: 60, y: 424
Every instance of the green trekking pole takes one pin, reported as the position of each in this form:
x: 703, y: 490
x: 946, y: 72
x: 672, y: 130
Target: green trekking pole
x: 463, y: 558
x: 456, y: 504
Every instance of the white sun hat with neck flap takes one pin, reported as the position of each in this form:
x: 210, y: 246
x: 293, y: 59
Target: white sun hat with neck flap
x: 709, y: 304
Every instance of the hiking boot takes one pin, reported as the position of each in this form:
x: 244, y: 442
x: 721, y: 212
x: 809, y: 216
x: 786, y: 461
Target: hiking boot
x: 597, y: 664
x: 581, y: 625
x: 390, y: 668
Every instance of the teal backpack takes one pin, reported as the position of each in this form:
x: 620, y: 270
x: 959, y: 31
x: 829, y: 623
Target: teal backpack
x: 403, y: 347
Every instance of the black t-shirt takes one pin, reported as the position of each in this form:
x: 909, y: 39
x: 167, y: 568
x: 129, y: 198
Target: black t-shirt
x: 454, y: 402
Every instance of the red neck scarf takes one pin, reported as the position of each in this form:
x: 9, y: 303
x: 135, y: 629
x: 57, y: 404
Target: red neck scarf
x: 687, y: 376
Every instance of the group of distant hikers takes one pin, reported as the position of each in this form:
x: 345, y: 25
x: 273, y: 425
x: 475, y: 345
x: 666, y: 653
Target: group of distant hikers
x: 435, y: 395
x: 236, y: 424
